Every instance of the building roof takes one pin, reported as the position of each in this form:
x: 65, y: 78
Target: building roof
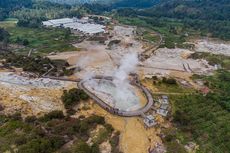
x: 164, y: 106
x: 61, y: 21
x: 165, y: 97
x: 76, y: 25
x: 149, y: 121
x: 162, y: 112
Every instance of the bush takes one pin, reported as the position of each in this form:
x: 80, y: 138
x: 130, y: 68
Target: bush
x: 73, y: 97
x: 39, y: 145
x: 170, y: 81
x: 20, y: 140
x: 109, y: 128
x: 96, y: 119
x: 95, y: 148
x: 56, y: 142
x: 114, y: 141
x: 82, y: 147
x: 52, y: 115
x: 30, y: 119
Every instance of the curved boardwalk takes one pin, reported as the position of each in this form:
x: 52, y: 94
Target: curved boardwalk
x: 115, y: 111
x: 107, y: 107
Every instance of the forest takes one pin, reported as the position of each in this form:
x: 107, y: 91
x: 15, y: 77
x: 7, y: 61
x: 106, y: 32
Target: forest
x: 32, y: 13
x: 208, y: 17
x: 50, y: 132
x: 204, y: 16
x: 206, y: 119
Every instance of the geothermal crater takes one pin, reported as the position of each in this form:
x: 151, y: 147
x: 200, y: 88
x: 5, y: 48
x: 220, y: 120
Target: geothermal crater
x: 121, y: 98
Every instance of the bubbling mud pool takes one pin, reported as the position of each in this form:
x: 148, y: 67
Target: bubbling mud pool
x: 120, y: 96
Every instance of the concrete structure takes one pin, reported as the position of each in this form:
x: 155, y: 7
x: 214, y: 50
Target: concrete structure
x: 162, y: 112
x: 165, y: 99
x: 81, y: 25
x: 149, y: 121
x: 164, y: 106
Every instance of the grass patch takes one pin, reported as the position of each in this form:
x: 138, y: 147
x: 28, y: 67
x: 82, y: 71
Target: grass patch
x: 173, y: 31
x: 172, y: 88
x: 167, y: 88
x: 213, y: 59
x: 8, y: 23
x: 150, y: 37
x: 205, y: 119
x: 43, y: 40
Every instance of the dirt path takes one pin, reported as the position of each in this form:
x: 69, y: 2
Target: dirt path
x: 185, y: 76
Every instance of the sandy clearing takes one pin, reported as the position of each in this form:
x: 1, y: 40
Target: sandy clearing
x: 30, y: 96
x: 63, y: 55
x: 212, y: 46
x: 29, y: 101
x: 185, y: 76
x: 134, y: 137
x: 166, y: 60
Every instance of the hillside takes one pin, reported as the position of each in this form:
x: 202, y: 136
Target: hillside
x: 210, y: 17
x: 112, y: 3
x: 203, y: 9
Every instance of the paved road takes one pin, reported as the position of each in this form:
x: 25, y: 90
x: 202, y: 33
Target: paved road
x: 61, y: 79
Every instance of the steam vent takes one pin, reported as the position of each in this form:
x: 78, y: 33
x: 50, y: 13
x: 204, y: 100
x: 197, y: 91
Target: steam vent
x: 119, y: 98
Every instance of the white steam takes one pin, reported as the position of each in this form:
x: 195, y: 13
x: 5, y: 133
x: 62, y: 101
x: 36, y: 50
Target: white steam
x: 121, y: 93
x: 128, y: 64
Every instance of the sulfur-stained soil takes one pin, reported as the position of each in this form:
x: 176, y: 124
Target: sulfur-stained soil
x: 134, y: 138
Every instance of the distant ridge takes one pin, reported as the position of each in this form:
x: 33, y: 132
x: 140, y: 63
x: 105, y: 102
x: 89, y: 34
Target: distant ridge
x: 112, y: 3
x: 81, y: 1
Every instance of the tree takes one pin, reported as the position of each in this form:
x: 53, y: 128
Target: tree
x: 95, y: 148
x: 82, y: 147
x: 25, y: 42
x: 73, y: 97
x: 4, y: 38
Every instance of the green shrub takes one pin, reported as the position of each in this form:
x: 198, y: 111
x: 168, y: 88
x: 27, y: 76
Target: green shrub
x: 73, y: 97
x: 96, y: 119
x: 95, y: 148
x: 82, y: 147
x: 170, y: 81
x: 52, y: 115
x: 30, y: 119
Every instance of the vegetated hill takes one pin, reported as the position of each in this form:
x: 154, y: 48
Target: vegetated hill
x: 197, y: 9
x: 73, y: 2
x: 207, y: 16
x: 135, y: 3
x: 6, y: 6
x: 112, y: 3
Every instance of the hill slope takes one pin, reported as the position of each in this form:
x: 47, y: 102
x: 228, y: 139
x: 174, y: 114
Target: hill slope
x: 201, y: 9
x: 112, y: 3
x: 208, y: 16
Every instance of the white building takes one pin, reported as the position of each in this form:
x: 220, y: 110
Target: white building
x: 149, y: 121
x: 57, y: 22
x: 80, y: 25
x: 162, y: 112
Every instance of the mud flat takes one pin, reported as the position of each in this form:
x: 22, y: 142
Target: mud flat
x: 16, y: 79
x: 30, y: 96
x: 214, y: 47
